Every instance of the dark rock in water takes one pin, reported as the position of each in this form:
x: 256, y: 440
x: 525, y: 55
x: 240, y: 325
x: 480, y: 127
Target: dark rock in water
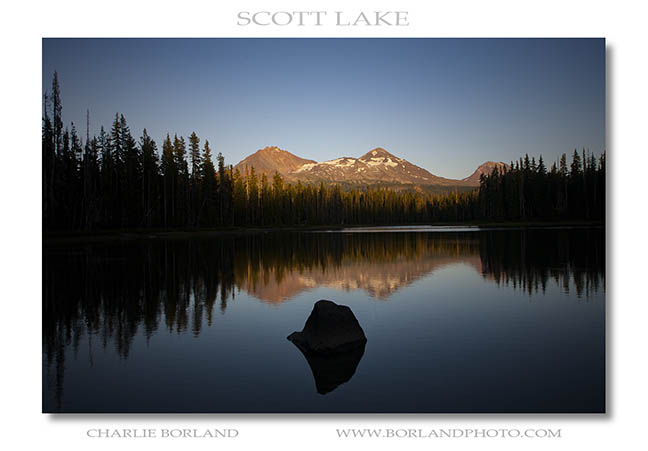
x: 330, y: 329
x: 332, y: 342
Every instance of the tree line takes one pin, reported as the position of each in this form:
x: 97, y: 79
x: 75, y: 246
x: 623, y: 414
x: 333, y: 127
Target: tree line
x: 114, y: 181
x: 529, y: 191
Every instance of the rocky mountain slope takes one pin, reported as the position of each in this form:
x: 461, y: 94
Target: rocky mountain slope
x: 272, y: 159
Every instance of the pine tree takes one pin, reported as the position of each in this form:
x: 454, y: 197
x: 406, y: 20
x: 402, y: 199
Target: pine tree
x: 148, y: 150
x: 194, y: 186
x: 169, y: 176
x: 576, y: 165
x: 48, y: 162
x: 209, y: 186
x: 265, y: 199
x: 90, y: 176
x: 57, y: 114
x: 182, y: 181
x: 194, y: 150
x: 223, y: 191
x: 253, y: 197
x: 239, y: 199
x: 541, y: 166
x: 132, y: 176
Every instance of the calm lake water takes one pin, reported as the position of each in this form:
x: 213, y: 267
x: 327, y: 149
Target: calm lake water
x: 457, y: 320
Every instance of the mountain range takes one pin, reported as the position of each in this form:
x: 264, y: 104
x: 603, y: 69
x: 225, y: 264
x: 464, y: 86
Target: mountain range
x: 375, y: 167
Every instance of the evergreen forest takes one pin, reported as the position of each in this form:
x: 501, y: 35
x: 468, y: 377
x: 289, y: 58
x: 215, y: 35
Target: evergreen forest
x: 115, y: 181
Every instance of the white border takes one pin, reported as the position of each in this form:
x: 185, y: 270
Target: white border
x: 24, y: 24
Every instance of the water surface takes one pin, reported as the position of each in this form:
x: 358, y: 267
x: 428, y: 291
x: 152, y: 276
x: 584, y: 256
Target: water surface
x: 457, y: 320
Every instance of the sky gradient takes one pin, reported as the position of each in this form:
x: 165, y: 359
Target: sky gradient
x: 446, y: 105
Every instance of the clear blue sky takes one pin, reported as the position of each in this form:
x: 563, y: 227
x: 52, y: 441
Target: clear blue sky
x: 444, y: 104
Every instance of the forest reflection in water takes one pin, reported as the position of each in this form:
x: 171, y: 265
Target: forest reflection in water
x: 116, y: 290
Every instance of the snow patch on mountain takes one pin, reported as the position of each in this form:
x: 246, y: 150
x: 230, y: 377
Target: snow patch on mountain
x: 377, y: 161
x: 343, y: 162
x: 306, y: 167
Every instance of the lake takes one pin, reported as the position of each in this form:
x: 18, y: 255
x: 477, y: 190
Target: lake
x: 456, y: 320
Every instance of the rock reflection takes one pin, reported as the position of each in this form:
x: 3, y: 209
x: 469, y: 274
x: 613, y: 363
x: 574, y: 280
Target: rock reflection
x: 331, y: 371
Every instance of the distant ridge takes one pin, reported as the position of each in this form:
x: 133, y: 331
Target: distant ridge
x: 377, y: 166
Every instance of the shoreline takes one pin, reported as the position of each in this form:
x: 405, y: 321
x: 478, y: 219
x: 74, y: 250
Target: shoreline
x: 182, y: 233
